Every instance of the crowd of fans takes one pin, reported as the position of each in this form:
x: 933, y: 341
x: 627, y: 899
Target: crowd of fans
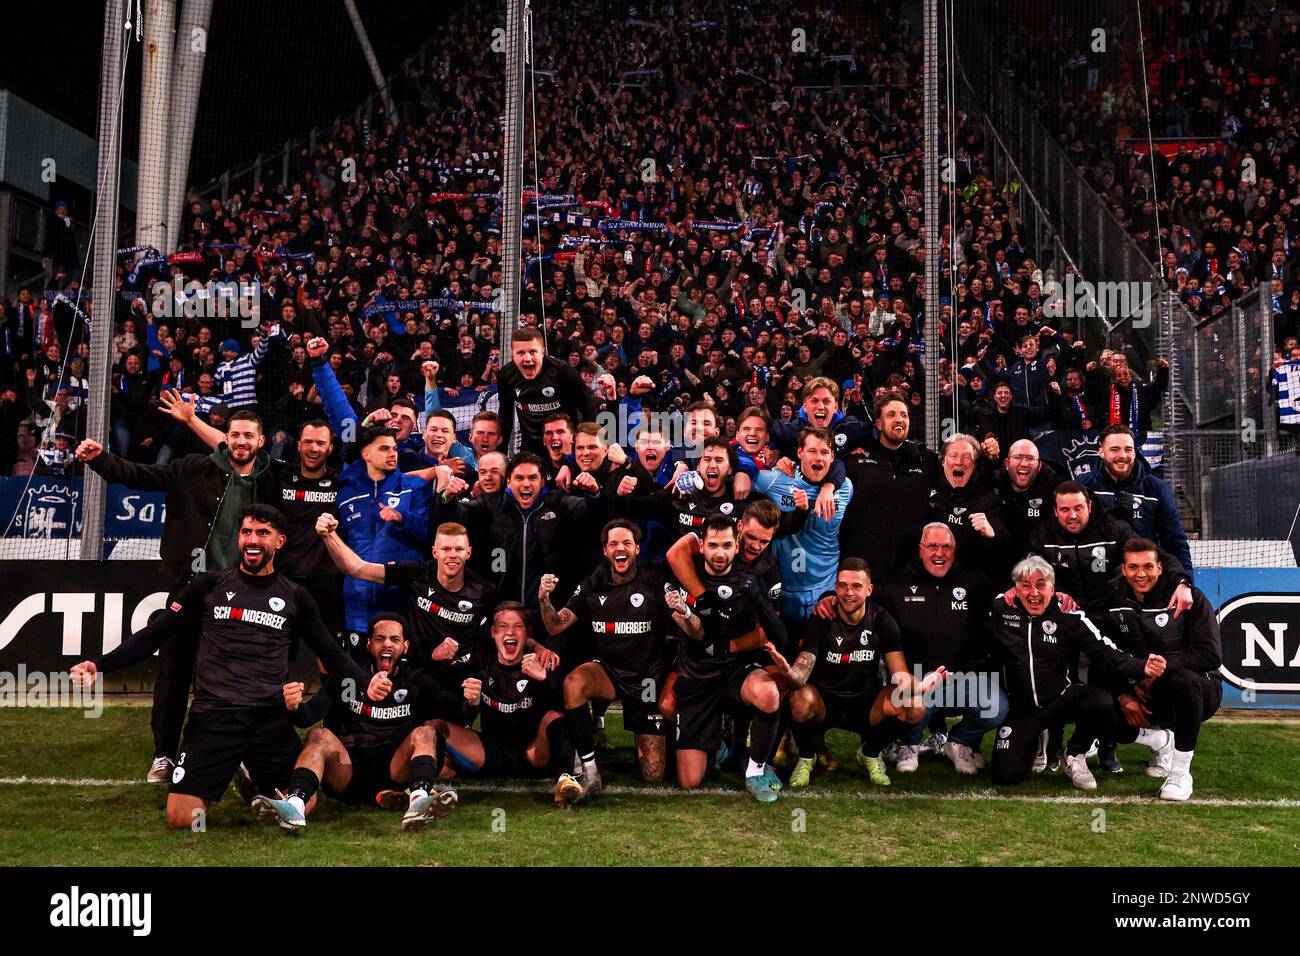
x: 1216, y: 203
x: 825, y: 278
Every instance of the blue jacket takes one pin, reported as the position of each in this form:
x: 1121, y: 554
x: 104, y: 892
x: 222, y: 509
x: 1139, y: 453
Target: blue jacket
x: 1029, y: 382
x: 1146, y: 503
x: 374, y: 539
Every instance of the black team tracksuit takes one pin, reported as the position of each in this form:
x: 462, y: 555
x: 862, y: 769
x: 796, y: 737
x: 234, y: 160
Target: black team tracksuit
x: 1190, y: 690
x: 1036, y: 654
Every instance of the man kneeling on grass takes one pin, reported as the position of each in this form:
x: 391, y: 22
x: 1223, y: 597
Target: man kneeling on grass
x: 837, y: 683
x: 1037, y: 642
x: 370, y: 751
x: 1189, y: 692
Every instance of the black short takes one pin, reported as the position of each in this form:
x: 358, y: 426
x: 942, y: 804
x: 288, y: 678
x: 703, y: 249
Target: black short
x: 699, y: 705
x: 216, y: 742
x: 370, y: 774
x: 506, y: 760
x: 640, y: 716
x: 848, y: 711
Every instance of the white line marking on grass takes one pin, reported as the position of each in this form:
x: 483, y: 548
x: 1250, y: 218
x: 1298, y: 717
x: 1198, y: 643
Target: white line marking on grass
x: 969, y: 796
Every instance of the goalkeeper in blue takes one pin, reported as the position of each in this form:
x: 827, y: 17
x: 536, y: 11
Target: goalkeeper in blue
x: 810, y: 557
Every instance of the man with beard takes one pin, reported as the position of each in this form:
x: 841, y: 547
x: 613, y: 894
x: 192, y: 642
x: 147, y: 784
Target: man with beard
x: 448, y: 603
x: 626, y: 608
x: 892, y: 479
x: 534, y: 386
x: 710, y: 673
x: 964, y: 502
x: 1026, y: 486
x: 245, y: 618
x: 1190, y: 690
x: 307, y: 491
x: 523, y: 531
x: 687, y: 506
x: 1037, y: 641
x: 379, y: 748
x: 205, y: 496
x: 836, y: 679
x: 1126, y: 489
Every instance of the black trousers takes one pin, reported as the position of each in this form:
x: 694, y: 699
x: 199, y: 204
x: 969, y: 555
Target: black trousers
x: 1181, y: 701
x: 171, y: 687
x: 1091, y: 708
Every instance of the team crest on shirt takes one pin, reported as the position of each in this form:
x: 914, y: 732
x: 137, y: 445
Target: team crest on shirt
x: 1004, y: 732
x: 521, y: 685
x: 394, y: 501
x: 399, y: 695
x: 466, y: 605
x: 637, y: 600
x: 840, y: 439
x: 959, y: 511
x: 726, y: 507
x: 959, y: 594
x: 724, y: 591
x: 277, y: 604
x: 1162, y: 619
x: 1035, y: 502
x: 863, y: 637
x: 355, y: 638
x: 1049, y: 627
x: 548, y: 392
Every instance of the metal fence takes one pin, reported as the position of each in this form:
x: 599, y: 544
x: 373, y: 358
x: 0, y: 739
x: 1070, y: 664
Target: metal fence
x: 1219, y: 414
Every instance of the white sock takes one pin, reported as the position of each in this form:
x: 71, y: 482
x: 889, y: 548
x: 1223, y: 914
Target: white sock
x: 417, y: 794
x: 588, y: 766
x: 600, y: 722
x: 297, y: 804
x: 754, y: 769
x: 1155, y: 739
x: 1182, y: 761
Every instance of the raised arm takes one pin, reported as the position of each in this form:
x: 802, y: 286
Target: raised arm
x: 172, y: 402
x: 344, y: 558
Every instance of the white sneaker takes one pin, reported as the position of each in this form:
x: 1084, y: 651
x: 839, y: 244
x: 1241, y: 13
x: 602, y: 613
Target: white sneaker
x: 1076, y: 768
x: 1162, y: 757
x: 1040, y: 758
x: 890, y: 752
x: 1092, y: 751
x: 961, y: 757
x: 907, y: 759
x: 1177, y: 786
x: 160, y: 771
